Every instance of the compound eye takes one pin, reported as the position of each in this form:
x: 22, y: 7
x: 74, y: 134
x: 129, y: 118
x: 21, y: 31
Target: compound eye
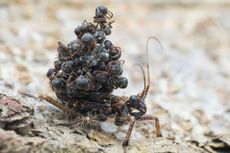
x: 133, y: 100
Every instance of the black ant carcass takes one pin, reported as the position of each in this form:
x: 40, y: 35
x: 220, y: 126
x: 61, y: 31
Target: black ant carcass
x: 86, y: 72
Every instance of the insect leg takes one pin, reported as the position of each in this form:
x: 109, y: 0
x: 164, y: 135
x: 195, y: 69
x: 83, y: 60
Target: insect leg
x: 57, y: 104
x: 157, y: 123
x: 125, y: 142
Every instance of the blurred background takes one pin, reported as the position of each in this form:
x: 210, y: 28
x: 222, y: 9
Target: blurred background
x: 190, y: 77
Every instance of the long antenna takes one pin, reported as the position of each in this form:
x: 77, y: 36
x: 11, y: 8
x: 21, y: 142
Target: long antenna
x: 146, y: 89
x: 143, y: 73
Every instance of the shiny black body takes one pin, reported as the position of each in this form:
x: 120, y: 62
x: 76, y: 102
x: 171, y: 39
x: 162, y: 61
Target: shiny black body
x: 88, y: 69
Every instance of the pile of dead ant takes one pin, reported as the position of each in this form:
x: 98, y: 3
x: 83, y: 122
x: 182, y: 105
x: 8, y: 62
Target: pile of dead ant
x: 86, y: 72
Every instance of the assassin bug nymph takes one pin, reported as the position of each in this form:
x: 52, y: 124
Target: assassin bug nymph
x: 88, y: 70
x: 126, y: 109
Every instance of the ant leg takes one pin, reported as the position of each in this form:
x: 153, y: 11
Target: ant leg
x: 125, y: 142
x: 157, y: 123
x: 57, y: 104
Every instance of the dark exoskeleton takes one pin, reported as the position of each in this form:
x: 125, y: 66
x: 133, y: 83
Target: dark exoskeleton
x: 102, y: 15
x: 88, y: 70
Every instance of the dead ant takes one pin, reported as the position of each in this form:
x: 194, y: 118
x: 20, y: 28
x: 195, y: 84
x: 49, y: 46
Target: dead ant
x: 102, y: 14
x: 125, y: 109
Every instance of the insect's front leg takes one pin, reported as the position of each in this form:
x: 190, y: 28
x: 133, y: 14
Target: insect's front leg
x: 132, y: 121
x: 152, y: 118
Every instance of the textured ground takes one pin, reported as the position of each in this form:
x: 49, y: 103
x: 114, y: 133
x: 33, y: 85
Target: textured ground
x: 190, y: 77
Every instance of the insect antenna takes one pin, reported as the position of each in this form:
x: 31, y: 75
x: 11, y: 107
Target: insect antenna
x: 146, y: 88
x: 143, y: 74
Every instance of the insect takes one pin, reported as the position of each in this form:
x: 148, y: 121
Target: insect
x: 88, y: 69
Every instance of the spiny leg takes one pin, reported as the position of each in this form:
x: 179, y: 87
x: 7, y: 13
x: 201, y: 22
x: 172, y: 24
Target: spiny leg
x: 57, y: 104
x: 51, y: 101
x: 125, y: 142
x: 157, y: 123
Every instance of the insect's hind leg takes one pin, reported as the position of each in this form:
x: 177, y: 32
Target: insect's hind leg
x: 152, y: 118
x: 57, y: 104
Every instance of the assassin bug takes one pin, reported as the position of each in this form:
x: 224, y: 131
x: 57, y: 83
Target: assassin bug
x: 126, y: 109
x: 89, y: 69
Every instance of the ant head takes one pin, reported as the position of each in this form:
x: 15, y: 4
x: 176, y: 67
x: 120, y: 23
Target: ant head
x: 87, y: 39
x: 57, y: 83
x: 119, y: 82
x: 102, y: 11
x: 51, y: 73
x: 137, y: 106
x: 67, y: 67
x: 135, y: 99
x: 108, y: 44
x: 115, y: 67
x: 83, y: 83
